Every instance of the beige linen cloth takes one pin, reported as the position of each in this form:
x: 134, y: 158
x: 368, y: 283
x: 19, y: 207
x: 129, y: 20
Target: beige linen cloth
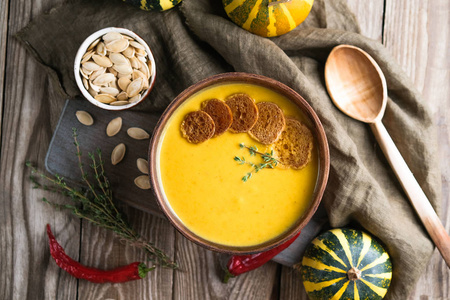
x: 196, y: 40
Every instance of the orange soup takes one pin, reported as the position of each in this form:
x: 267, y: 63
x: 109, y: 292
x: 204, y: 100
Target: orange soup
x: 203, y: 183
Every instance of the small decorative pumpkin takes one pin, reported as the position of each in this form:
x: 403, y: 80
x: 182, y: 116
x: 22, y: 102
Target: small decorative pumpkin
x: 153, y: 4
x: 346, y: 264
x: 268, y: 18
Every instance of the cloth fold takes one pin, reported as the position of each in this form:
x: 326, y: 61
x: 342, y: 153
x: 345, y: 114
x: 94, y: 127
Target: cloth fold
x: 196, y: 40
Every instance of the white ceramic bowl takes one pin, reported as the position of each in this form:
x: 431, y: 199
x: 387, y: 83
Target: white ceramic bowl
x: 82, y: 50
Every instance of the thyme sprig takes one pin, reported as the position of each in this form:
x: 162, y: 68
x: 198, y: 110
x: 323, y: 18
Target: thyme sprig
x: 269, y: 161
x: 95, y: 203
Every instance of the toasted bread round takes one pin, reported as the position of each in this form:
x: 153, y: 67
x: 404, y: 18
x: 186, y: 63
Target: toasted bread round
x: 270, y: 124
x: 220, y: 113
x: 244, y: 110
x: 197, y: 127
x: 295, y: 145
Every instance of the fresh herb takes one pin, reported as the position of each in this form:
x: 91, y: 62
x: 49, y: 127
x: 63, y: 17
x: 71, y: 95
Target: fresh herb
x: 269, y: 161
x: 95, y: 203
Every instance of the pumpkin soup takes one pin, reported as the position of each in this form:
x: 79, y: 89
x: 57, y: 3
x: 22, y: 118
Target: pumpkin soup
x: 204, y: 183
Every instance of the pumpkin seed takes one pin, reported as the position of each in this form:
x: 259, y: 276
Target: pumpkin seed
x: 117, y: 45
x: 123, y: 69
x: 144, y: 69
x: 135, y: 98
x: 138, y: 133
x: 114, y: 126
x: 135, y: 87
x: 86, y: 83
x: 92, y: 92
x: 135, y: 64
x: 101, y: 49
x: 123, y: 96
x: 119, y: 59
x: 97, y: 73
x: 87, y: 56
x: 138, y: 74
x: 104, y: 79
x: 119, y: 103
x: 142, y: 165
x: 90, y: 66
x: 94, y: 43
x: 112, y: 71
x: 137, y: 45
x: 140, y: 52
x: 129, y: 52
x: 109, y: 90
x: 83, y: 73
x: 111, y: 36
x: 84, y: 117
x: 86, y: 72
x: 123, y: 83
x: 118, y: 153
x: 94, y: 87
x: 141, y: 58
x: 113, y: 84
x: 102, y: 61
x: 120, y: 75
x: 142, y: 182
x: 105, y: 98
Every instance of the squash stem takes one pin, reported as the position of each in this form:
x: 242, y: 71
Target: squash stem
x: 354, y: 274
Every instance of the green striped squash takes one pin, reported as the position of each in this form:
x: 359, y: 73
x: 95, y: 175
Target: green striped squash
x: 153, y: 4
x: 346, y: 264
x: 268, y: 17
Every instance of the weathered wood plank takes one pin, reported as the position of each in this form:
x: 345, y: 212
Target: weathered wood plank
x: 370, y: 17
x: 418, y: 29
x: 202, y: 275
x: 103, y: 249
x: 28, y: 271
x: 292, y: 287
x: 417, y: 34
x: 4, y: 9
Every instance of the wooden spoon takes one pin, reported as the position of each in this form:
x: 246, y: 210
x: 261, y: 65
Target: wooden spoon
x: 357, y: 87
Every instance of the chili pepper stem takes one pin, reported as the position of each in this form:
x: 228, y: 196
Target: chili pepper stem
x: 227, y: 276
x: 143, y: 270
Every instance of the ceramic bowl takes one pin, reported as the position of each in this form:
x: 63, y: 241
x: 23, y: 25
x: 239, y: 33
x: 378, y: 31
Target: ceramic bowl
x: 83, y: 49
x: 315, y: 126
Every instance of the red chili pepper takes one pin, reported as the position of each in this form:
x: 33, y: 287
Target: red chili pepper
x: 132, y: 271
x: 238, y: 264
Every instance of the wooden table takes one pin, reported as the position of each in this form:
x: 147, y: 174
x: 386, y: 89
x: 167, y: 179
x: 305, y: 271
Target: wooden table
x: 416, y: 32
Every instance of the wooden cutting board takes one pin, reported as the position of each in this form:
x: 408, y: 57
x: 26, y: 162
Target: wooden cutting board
x: 61, y: 159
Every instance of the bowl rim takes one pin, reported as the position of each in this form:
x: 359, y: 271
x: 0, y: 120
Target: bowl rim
x: 82, y: 50
x: 315, y: 125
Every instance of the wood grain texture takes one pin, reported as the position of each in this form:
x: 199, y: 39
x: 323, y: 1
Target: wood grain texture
x: 28, y: 271
x: 202, y: 275
x: 422, y: 29
x: 417, y: 34
x: 370, y: 17
x: 292, y: 286
x: 4, y: 10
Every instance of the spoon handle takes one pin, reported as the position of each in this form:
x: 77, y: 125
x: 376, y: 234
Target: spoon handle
x: 415, y: 193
